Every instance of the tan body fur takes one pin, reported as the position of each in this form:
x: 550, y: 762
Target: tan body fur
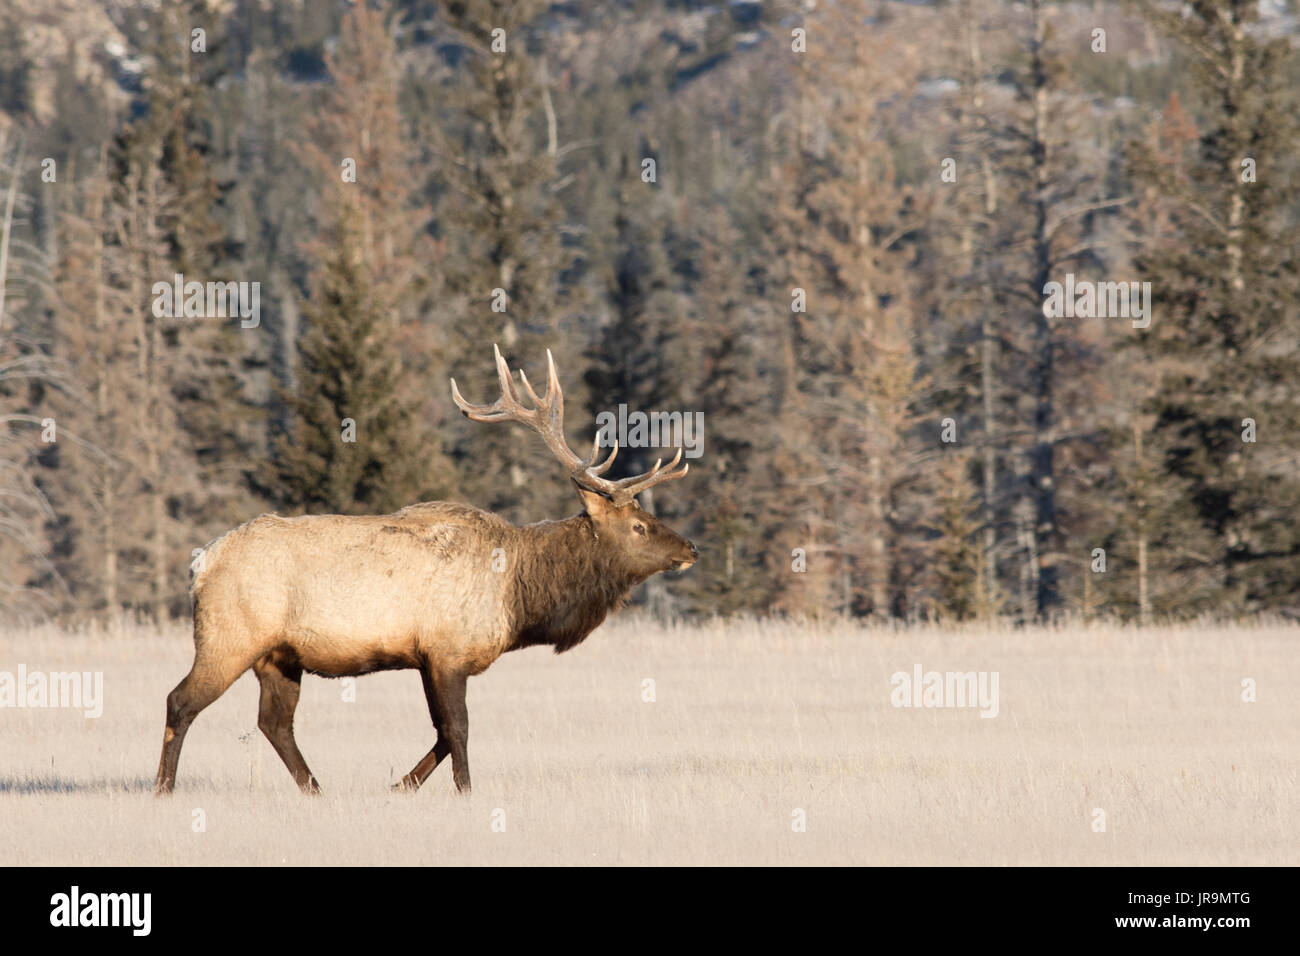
x: 352, y: 595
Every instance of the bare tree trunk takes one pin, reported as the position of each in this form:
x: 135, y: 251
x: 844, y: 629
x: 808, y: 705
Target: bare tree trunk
x: 989, y: 560
x: 876, y: 538
x: 1237, y: 205
x: 144, y: 210
x: 988, y: 366
x: 1087, y: 595
x: 988, y: 568
x: 1144, y: 599
x: 1233, y: 532
x: 107, y: 494
x: 7, y: 227
x: 1029, y: 563
x: 1043, y: 479
x: 157, y: 502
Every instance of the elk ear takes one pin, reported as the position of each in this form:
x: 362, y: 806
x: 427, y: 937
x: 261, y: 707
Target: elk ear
x: 596, y: 503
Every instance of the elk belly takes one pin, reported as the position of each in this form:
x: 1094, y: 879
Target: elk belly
x: 355, y: 661
x: 337, y: 654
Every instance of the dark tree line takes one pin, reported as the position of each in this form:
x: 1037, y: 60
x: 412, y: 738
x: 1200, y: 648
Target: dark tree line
x: 830, y: 230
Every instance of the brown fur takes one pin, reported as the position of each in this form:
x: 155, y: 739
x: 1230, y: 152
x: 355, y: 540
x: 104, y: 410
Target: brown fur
x: 342, y: 596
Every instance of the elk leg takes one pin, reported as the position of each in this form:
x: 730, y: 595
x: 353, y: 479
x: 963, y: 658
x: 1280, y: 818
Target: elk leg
x: 451, y: 700
x: 280, y: 687
x: 420, y: 773
x: 208, y: 679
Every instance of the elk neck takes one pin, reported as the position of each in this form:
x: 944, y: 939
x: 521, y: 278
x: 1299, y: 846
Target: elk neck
x: 566, y: 581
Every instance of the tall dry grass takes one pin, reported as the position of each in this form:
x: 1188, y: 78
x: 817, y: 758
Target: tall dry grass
x: 751, y: 722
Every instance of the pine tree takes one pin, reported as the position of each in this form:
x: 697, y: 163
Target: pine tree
x: 91, y: 484
x: 732, y: 490
x: 350, y: 447
x: 1226, y: 287
x: 15, y: 68
x: 499, y: 229
x: 356, y: 441
x: 1047, y: 196
x: 843, y: 218
x: 958, y: 568
x: 29, y: 581
x: 199, y: 361
x: 963, y: 326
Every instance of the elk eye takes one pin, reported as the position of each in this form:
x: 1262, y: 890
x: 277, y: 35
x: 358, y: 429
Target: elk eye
x: 639, y: 529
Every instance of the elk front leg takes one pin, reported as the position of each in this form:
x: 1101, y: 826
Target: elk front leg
x: 451, y: 702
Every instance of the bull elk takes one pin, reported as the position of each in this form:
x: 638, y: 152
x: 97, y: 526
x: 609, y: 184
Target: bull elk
x: 342, y: 596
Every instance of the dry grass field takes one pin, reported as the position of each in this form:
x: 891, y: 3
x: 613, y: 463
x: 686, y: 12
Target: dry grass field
x: 750, y: 722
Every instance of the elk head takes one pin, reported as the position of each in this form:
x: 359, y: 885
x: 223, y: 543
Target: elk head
x: 641, y: 544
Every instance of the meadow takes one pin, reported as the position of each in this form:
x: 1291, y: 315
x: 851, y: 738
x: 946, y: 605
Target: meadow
x: 743, y: 742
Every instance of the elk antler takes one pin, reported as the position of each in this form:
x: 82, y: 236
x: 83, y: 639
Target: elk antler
x: 547, y: 419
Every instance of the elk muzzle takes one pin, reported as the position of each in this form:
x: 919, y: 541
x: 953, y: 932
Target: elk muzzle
x: 685, y: 563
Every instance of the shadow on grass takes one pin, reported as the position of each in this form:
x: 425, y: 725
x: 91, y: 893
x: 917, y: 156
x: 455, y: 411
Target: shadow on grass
x: 40, y: 786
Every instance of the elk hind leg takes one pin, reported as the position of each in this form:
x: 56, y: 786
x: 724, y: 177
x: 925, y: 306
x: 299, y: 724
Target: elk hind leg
x: 209, y: 678
x: 281, y: 684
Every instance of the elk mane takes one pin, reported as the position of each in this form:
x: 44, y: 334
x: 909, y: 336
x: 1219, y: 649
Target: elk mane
x: 565, y: 583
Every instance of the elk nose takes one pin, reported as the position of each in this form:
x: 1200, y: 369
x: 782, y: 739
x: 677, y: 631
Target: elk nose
x: 694, y: 551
